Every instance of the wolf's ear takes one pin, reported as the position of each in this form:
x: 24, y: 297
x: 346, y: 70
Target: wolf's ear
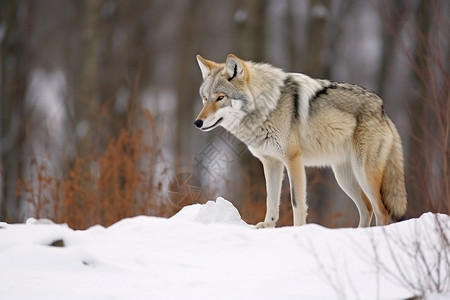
x: 206, y: 66
x: 236, y: 68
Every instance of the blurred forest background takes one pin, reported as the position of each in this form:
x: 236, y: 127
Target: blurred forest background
x: 98, y: 99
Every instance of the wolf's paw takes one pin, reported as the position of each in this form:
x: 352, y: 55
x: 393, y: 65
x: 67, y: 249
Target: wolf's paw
x: 265, y: 225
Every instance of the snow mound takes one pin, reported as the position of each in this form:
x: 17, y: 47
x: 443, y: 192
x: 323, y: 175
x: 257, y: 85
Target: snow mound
x: 220, y: 211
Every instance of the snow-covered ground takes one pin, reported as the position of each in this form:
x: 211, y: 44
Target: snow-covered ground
x: 208, y: 252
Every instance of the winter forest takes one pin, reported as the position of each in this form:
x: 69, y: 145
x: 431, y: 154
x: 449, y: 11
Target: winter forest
x: 98, y: 100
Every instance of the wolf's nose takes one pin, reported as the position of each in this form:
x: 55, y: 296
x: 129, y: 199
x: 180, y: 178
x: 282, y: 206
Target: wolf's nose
x: 198, y: 123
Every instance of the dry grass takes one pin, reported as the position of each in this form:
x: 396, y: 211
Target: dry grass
x: 100, y: 189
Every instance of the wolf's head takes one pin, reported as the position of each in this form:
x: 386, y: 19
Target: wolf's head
x: 225, y: 93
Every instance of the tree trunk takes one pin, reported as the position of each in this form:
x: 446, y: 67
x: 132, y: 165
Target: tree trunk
x: 394, y: 13
x: 86, y: 105
x: 319, y: 11
x: 185, y: 86
x: 13, y: 118
x: 420, y: 120
x: 251, y: 32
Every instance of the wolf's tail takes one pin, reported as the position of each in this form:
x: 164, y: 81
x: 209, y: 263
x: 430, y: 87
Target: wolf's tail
x: 393, y: 190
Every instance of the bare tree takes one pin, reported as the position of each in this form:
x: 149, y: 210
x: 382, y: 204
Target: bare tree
x: 13, y: 115
x: 429, y: 105
x: 318, y: 18
x: 87, y: 103
x: 185, y: 89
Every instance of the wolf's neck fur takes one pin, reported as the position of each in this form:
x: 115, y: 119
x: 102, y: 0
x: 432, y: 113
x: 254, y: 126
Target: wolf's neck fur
x: 265, y: 85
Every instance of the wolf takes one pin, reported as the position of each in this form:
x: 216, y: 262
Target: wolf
x: 290, y: 120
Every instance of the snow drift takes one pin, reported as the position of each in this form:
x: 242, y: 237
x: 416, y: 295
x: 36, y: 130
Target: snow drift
x: 208, y: 252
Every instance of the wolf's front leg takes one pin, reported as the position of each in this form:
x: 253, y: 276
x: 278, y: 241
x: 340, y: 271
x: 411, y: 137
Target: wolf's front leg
x: 273, y: 173
x: 297, y: 180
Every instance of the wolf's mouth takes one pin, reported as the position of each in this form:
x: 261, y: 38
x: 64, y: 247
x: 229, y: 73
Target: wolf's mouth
x: 213, y: 125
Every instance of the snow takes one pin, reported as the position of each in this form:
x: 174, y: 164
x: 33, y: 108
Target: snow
x: 220, y: 211
x: 208, y: 252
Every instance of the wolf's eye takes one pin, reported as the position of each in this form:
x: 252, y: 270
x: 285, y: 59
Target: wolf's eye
x: 220, y: 98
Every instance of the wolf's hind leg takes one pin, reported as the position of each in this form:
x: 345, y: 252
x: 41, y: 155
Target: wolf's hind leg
x: 348, y: 183
x: 273, y: 173
x: 297, y: 180
x: 373, y: 178
x: 369, y: 178
x: 368, y: 166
